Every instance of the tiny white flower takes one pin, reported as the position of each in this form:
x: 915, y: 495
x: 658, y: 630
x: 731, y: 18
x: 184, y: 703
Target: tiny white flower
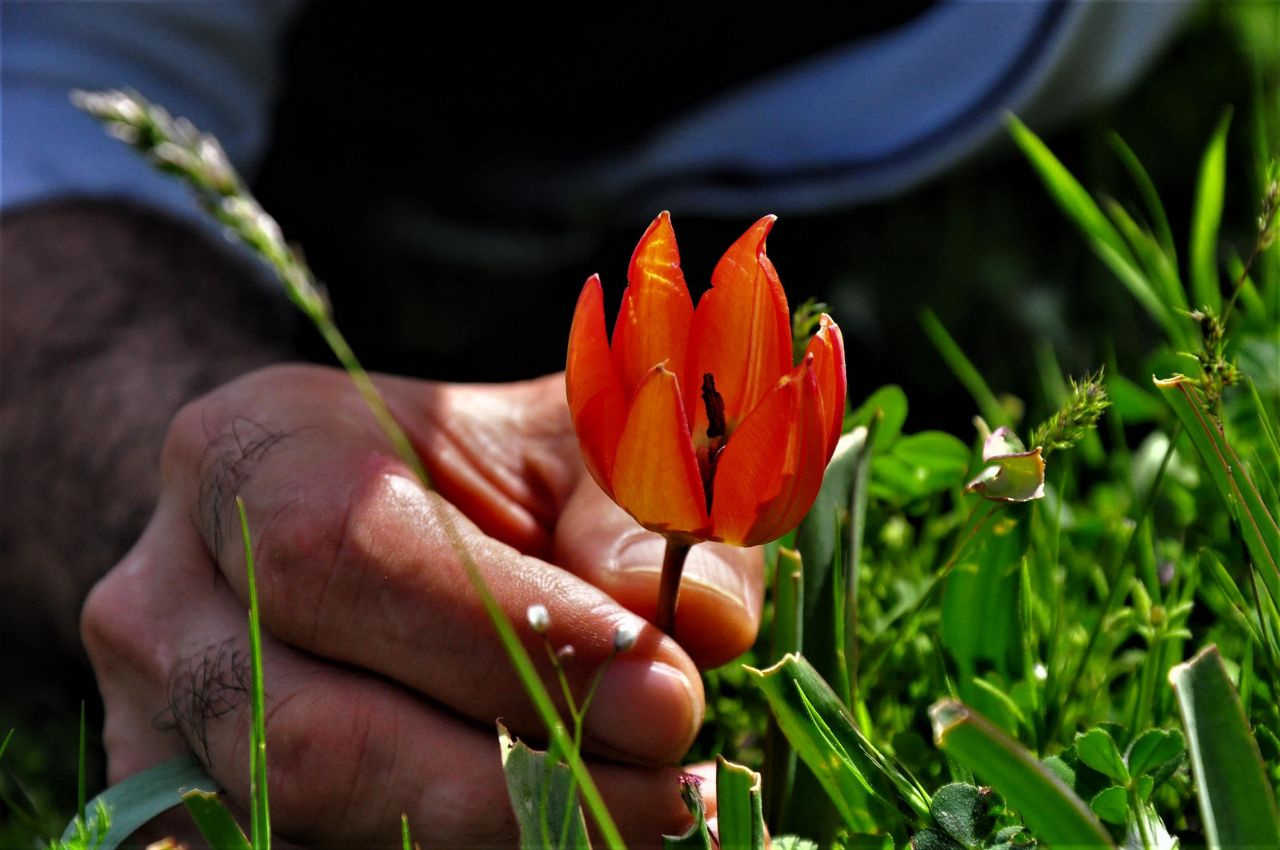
x: 625, y: 637
x: 539, y: 619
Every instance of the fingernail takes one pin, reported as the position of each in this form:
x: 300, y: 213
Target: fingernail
x: 645, y: 709
x: 706, y: 572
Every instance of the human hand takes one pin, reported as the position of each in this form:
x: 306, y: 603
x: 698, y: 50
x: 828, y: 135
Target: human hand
x: 383, y: 673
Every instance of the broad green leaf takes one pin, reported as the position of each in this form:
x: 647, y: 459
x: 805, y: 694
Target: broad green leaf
x: 1206, y: 220
x: 919, y: 465
x: 1237, y: 805
x: 1257, y: 526
x: 931, y: 838
x: 1048, y: 807
x: 543, y: 797
x: 887, y: 404
x: 141, y: 797
x: 738, y: 806
x: 1112, y: 805
x: 1154, y: 748
x: 1098, y: 749
x: 215, y: 821
x: 963, y: 811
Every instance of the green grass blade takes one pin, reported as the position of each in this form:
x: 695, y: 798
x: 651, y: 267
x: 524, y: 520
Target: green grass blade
x: 214, y: 821
x: 824, y: 736
x: 1049, y: 808
x: 259, y: 811
x: 144, y: 795
x: 788, y: 634
x: 406, y: 843
x: 1236, y: 802
x: 1150, y: 198
x: 964, y: 370
x: 1155, y: 263
x: 1256, y: 524
x: 1206, y: 220
x: 1103, y: 237
x: 739, y: 812
x: 80, y: 769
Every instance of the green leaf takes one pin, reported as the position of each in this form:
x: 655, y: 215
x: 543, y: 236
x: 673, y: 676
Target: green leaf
x: 215, y: 821
x: 1237, y: 805
x: 1150, y: 198
x: 543, y: 797
x: 739, y: 813
x: 930, y: 838
x: 1133, y: 403
x: 979, y: 608
x: 1098, y: 749
x: 816, y: 535
x: 1206, y: 220
x: 144, y: 795
x: 698, y: 837
x: 887, y: 404
x: 964, y: 812
x: 964, y: 370
x: 1257, y: 526
x: 1154, y: 748
x: 824, y: 736
x: 793, y: 842
x: 920, y: 465
x: 788, y: 636
x: 1048, y: 807
x: 1112, y: 805
x: 1103, y: 237
x: 259, y: 810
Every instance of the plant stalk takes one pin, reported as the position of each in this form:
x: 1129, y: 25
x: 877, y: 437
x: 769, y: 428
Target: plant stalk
x: 669, y: 583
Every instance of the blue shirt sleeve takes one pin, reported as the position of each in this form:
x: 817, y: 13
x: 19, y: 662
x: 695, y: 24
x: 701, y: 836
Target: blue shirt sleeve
x: 217, y: 63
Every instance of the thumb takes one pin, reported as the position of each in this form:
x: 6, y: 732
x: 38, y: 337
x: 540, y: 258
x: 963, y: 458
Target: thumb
x: 718, y: 612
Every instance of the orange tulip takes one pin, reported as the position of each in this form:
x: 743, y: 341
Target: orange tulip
x: 697, y: 422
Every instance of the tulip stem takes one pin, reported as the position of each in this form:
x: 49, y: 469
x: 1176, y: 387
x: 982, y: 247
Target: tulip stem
x: 669, y: 584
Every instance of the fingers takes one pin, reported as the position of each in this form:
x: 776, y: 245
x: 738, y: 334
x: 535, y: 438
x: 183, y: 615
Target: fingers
x: 357, y: 563
x: 718, y: 613
x: 347, y: 752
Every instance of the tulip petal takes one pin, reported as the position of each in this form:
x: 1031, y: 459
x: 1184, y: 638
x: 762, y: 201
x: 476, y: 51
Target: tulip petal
x: 655, y: 474
x: 827, y: 349
x: 741, y: 330
x: 596, y: 399
x: 772, y: 465
x: 653, y: 324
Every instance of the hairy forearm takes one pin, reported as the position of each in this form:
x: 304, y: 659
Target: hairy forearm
x: 110, y: 319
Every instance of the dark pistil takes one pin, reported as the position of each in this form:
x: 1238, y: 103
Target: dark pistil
x: 714, y: 404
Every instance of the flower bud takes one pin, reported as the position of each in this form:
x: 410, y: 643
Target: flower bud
x: 539, y: 619
x: 624, y: 637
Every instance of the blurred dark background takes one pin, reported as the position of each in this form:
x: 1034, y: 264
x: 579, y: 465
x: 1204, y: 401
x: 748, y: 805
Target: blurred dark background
x: 982, y: 246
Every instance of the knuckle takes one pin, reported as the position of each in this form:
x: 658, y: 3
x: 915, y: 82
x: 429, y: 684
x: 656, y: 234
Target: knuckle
x: 321, y: 762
